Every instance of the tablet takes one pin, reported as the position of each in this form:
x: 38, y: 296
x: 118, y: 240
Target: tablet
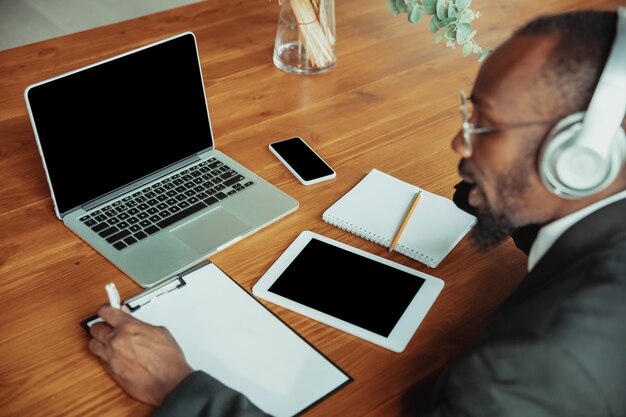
x: 355, y: 291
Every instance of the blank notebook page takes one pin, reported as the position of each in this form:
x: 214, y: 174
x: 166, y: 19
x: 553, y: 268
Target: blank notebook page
x: 376, y: 206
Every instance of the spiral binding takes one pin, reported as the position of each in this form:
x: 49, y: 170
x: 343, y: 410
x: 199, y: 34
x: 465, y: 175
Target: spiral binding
x: 379, y: 240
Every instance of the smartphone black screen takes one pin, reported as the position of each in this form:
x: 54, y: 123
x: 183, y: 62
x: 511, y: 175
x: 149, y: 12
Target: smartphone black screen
x: 302, y: 159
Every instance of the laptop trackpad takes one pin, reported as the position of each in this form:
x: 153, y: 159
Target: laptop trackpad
x: 210, y: 230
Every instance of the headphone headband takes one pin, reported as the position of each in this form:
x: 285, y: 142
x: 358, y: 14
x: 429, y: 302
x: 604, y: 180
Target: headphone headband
x: 608, y: 104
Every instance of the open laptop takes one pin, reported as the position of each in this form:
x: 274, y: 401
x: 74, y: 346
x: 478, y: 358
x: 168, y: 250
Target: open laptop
x: 130, y: 158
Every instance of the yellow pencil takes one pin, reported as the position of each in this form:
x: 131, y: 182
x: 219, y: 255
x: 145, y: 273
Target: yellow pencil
x: 406, y: 219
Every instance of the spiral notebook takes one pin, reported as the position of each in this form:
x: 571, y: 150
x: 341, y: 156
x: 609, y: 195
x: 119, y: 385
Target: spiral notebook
x: 376, y: 206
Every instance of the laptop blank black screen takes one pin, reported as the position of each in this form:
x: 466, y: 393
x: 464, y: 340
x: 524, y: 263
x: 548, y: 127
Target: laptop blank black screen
x: 108, y: 125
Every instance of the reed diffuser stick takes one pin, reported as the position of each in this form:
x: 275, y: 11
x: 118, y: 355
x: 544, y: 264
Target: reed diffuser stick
x: 315, y: 29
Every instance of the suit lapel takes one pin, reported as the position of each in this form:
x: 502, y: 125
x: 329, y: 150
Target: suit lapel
x: 600, y: 228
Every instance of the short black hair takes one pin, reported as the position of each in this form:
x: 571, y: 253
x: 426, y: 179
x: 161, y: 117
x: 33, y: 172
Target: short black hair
x: 584, y: 43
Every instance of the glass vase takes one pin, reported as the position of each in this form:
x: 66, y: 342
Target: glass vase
x: 305, y: 36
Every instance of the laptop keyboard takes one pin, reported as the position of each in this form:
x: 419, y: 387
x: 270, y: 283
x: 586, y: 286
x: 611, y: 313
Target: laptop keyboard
x: 146, y: 211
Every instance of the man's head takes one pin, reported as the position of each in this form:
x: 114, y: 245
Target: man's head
x: 546, y: 71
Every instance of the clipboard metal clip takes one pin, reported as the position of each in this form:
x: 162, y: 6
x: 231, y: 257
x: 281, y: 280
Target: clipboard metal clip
x: 143, y: 298
x: 135, y: 303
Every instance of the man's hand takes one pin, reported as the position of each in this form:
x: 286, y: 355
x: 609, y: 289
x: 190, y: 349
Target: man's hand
x: 144, y: 360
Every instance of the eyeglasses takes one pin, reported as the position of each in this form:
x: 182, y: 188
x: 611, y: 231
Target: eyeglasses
x: 469, y: 129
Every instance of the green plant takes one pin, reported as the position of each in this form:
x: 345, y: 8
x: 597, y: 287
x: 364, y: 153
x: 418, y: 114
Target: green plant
x: 451, y: 18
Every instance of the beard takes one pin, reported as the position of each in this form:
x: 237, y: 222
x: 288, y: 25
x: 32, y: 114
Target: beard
x: 491, y: 229
x: 494, y: 226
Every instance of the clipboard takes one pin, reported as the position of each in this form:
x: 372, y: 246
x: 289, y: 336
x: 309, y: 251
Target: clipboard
x: 226, y: 332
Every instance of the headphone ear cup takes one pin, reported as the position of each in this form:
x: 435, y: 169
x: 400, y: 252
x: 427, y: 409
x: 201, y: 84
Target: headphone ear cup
x: 564, y: 132
x: 565, y: 167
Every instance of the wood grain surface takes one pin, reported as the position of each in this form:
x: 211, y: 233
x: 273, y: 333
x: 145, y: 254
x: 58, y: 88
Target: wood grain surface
x: 391, y: 103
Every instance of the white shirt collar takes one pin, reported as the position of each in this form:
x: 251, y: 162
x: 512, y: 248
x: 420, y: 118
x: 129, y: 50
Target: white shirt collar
x: 549, y: 233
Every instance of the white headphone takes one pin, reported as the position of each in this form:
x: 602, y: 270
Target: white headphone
x: 586, y: 151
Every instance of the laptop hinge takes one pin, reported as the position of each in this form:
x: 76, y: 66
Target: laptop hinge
x: 139, y: 183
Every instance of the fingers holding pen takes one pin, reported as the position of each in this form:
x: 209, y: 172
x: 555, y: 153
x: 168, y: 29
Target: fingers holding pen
x: 144, y: 360
x: 114, y: 316
x: 104, y: 333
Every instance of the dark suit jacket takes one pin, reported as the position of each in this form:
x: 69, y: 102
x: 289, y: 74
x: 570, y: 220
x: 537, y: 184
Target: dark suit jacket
x: 201, y: 395
x: 557, y: 345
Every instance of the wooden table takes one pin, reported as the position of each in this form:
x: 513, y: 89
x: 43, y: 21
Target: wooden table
x: 391, y: 103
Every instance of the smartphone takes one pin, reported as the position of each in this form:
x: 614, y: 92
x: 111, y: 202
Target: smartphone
x: 299, y: 158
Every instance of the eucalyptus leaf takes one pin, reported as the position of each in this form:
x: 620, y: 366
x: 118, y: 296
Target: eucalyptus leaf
x: 434, y: 24
x: 415, y: 15
x: 464, y: 18
x: 450, y: 32
x: 452, y: 12
x: 430, y: 6
x: 449, y: 19
x: 462, y: 33
x: 484, y: 53
x: 467, y: 49
x: 401, y: 5
x: 392, y: 6
x: 442, y: 10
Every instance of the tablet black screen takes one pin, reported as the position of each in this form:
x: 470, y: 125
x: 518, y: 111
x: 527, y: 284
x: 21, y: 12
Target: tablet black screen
x: 348, y: 286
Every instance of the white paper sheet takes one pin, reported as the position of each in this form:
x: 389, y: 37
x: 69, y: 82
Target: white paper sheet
x: 225, y: 332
